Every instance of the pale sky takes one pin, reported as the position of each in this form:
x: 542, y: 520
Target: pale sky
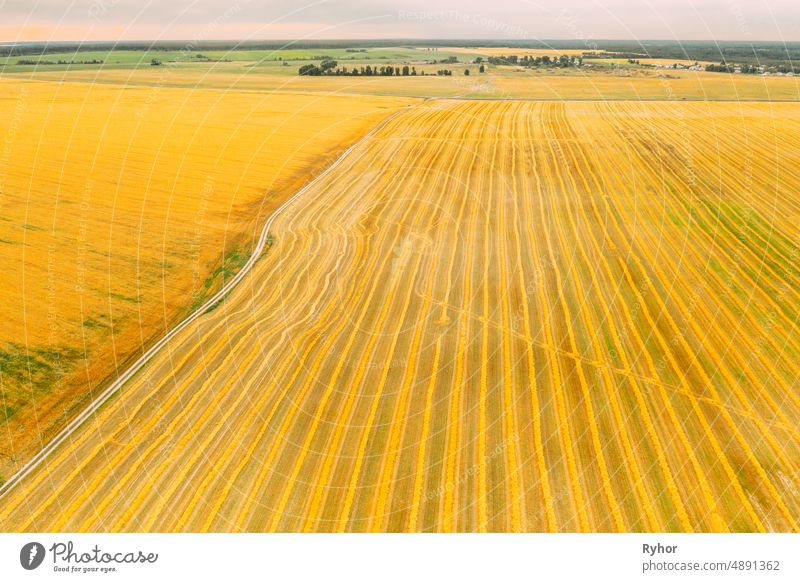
x: 580, y: 20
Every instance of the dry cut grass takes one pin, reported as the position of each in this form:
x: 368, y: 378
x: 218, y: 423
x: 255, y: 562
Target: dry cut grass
x: 493, y: 317
x: 120, y: 209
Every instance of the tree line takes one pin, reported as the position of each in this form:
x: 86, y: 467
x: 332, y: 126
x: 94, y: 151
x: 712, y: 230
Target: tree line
x: 331, y: 68
x: 59, y: 62
x: 534, y: 62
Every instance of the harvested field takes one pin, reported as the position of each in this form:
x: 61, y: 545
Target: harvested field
x: 120, y: 209
x: 511, y: 316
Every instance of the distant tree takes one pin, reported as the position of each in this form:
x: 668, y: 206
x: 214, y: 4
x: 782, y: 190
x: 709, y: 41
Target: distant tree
x: 466, y: 72
x: 406, y: 71
x: 310, y: 71
x: 413, y: 71
x: 482, y: 69
x: 327, y: 65
x: 155, y: 63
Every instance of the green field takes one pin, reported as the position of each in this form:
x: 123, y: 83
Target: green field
x: 262, y: 59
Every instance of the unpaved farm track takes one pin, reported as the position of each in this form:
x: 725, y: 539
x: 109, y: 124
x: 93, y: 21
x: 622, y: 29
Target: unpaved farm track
x: 497, y: 316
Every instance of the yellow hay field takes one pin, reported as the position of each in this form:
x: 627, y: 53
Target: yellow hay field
x: 120, y: 208
x: 491, y: 317
x: 667, y: 84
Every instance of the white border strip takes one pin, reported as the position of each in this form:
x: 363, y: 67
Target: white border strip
x: 404, y: 558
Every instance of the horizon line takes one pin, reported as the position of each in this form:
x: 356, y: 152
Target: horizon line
x: 395, y: 39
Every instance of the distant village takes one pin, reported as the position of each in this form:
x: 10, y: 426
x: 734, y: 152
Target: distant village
x: 772, y: 71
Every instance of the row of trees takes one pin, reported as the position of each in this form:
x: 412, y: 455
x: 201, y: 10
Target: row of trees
x: 330, y: 68
x: 59, y: 62
x: 544, y: 61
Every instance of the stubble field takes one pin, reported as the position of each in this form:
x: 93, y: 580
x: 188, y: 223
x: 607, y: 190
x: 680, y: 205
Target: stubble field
x: 492, y: 316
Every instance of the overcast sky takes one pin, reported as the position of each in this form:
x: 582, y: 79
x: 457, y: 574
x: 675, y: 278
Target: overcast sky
x: 582, y: 20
